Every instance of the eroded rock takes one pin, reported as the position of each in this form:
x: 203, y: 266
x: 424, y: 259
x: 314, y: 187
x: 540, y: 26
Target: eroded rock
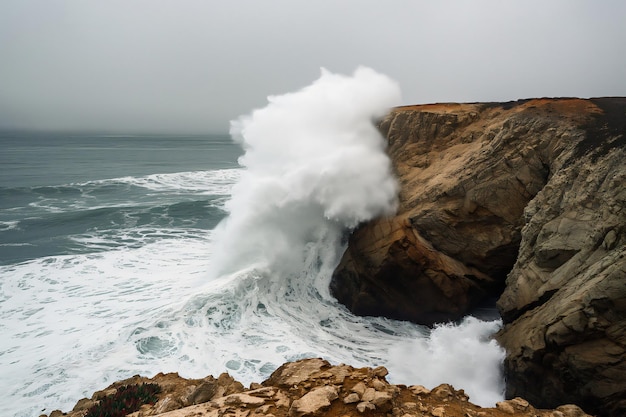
x: 533, y: 190
x: 314, y: 402
x: 314, y: 396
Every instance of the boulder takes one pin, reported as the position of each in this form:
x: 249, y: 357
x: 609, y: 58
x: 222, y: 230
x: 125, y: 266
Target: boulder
x: 314, y: 402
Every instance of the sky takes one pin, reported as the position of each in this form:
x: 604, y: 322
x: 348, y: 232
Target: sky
x: 191, y: 66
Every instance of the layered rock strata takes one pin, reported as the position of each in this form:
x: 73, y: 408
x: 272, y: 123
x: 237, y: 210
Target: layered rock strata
x: 565, y: 299
x: 312, y: 387
x: 533, y: 190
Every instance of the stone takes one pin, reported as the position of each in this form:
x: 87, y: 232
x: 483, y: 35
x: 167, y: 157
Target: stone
x: 571, y: 410
x: 241, y: 399
x: 202, y: 393
x: 380, y: 371
x: 610, y: 240
x: 282, y: 400
x: 167, y: 404
x: 519, y: 404
x: 226, y: 385
x: 263, y: 392
x: 365, y: 406
x: 419, y: 389
x: 505, y: 407
x: 379, y: 385
x: 369, y: 394
x: 443, y: 391
x: 381, y: 400
x: 314, y: 402
x: 294, y: 373
x: 83, y: 404
x: 438, y: 412
x: 351, y: 398
x: 359, y: 388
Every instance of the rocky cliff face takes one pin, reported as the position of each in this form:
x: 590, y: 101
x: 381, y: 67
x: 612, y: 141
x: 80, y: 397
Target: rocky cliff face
x: 311, y: 388
x: 533, y: 190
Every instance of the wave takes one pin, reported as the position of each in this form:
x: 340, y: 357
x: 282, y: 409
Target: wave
x: 103, y: 228
x: 66, y: 318
x: 115, y: 191
x: 205, y: 182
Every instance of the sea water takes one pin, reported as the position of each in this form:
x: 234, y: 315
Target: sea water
x: 139, y: 254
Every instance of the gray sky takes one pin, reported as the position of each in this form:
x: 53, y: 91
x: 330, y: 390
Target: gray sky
x: 191, y: 65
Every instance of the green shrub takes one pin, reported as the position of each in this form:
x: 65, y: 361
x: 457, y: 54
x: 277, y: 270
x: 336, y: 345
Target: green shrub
x: 126, y: 400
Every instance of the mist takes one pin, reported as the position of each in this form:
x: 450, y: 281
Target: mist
x: 192, y: 66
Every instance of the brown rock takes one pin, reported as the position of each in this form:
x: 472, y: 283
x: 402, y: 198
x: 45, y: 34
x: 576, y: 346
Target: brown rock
x: 365, y: 406
x: 570, y: 410
x: 294, y: 373
x: 351, y: 398
x: 203, y: 393
x: 505, y: 407
x: 533, y: 190
x: 319, y: 398
x: 466, y: 174
x: 438, y: 412
x: 314, y: 402
x: 419, y: 389
x: 380, y: 371
x: 83, y: 404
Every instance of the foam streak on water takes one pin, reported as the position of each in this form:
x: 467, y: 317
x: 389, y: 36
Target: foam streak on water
x: 246, y: 296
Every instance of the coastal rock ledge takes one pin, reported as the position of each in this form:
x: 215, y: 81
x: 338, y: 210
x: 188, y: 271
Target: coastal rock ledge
x: 312, y: 387
x: 525, y: 201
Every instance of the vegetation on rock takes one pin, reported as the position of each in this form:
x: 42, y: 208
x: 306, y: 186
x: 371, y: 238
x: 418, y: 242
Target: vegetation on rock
x: 127, y: 399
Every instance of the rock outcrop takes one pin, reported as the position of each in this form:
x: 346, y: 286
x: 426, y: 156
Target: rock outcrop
x: 533, y: 190
x: 565, y: 299
x: 312, y: 387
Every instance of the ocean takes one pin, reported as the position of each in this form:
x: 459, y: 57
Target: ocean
x: 202, y: 254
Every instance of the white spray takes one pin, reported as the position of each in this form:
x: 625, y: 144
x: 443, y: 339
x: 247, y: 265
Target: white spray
x: 315, y: 164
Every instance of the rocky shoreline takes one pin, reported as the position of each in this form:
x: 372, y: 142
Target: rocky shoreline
x: 312, y: 387
x: 525, y: 201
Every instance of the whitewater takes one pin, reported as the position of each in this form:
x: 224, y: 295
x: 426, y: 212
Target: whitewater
x: 224, y: 269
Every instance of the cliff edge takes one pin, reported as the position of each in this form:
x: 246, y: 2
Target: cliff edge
x: 524, y: 201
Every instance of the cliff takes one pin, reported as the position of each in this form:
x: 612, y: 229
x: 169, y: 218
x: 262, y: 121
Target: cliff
x: 312, y: 387
x: 522, y: 200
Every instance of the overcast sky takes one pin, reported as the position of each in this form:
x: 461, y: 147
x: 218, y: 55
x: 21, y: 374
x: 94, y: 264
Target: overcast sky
x: 191, y: 65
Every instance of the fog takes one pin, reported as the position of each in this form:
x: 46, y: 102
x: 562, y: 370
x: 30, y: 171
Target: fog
x: 192, y: 66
